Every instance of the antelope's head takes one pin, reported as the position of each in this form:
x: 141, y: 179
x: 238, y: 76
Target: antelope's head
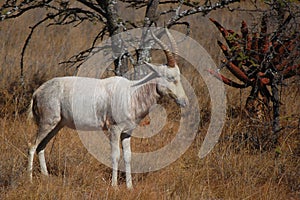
x: 169, y: 81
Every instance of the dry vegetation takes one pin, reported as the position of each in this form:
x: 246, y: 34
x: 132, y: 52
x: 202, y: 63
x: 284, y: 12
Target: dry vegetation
x: 237, y: 168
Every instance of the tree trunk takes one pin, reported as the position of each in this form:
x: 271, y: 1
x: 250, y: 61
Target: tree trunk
x: 114, y: 28
x: 144, y: 52
x: 276, y: 108
x: 121, y: 61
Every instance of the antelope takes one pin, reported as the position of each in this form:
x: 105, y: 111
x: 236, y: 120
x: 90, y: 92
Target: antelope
x: 115, y: 104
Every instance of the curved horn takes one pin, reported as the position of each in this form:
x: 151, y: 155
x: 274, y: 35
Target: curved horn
x: 171, y: 62
x: 174, y: 44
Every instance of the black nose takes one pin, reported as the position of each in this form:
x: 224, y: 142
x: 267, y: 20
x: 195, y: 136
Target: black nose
x: 182, y: 102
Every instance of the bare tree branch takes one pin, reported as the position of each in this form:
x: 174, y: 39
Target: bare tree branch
x: 26, y: 44
x: 199, y: 9
x: 94, y: 7
x: 63, y: 12
x: 13, y: 10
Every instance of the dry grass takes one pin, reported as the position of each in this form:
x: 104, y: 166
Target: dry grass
x: 235, y: 169
x: 224, y: 174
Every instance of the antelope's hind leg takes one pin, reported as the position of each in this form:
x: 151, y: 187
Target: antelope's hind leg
x: 41, y: 148
x: 46, y: 132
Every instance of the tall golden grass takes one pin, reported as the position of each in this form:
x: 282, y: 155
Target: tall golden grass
x: 231, y: 171
x: 237, y: 168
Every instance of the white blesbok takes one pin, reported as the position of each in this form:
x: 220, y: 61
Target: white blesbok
x: 115, y: 104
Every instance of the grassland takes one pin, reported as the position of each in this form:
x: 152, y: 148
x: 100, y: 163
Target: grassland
x: 235, y: 169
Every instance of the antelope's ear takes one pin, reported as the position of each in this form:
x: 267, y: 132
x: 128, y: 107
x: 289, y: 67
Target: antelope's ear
x: 153, y: 75
x: 150, y: 77
x: 152, y: 67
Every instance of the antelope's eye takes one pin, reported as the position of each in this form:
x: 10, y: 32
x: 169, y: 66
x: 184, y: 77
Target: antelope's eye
x: 171, y: 79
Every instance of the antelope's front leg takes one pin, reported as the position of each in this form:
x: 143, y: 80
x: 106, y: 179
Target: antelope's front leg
x: 115, y: 154
x: 127, y: 158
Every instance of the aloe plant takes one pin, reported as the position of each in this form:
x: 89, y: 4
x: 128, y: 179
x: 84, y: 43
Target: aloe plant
x: 261, y: 61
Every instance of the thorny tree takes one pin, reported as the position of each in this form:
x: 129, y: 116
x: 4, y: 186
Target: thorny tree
x: 63, y: 12
x: 263, y: 59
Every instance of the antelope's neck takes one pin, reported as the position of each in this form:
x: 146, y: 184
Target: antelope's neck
x: 143, y: 98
